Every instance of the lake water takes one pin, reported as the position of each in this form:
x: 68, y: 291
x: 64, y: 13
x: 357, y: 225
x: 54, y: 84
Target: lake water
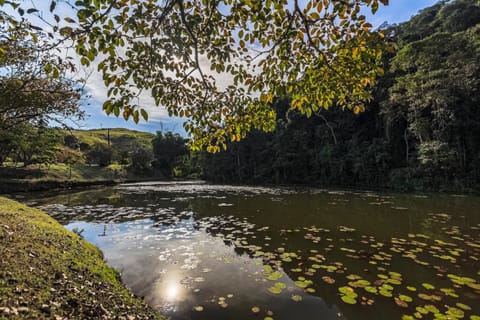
x: 199, y: 251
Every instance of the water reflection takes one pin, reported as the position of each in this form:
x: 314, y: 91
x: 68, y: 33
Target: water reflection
x: 214, y: 252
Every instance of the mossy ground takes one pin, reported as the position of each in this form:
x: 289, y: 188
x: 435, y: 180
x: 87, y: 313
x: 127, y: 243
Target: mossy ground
x: 48, y: 272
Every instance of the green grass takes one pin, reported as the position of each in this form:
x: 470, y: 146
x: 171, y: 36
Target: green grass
x: 81, y: 172
x: 118, y: 137
x: 62, y: 172
x: 47, y: 271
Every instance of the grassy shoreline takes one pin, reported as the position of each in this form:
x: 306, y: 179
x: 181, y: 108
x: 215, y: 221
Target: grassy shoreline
x: 48, y: 272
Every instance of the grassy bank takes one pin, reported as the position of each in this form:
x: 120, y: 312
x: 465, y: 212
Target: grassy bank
x: 61, y: 176
x: 49, y: 272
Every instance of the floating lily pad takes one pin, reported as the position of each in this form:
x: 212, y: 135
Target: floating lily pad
x: 274, y: 276
x: 431, y: 308
x: 428, y: 286
x: 405, y: 298
x: 348, y: 299
x: 275, y: 290
x: 386, y: 293
x: 463, y: 306
x: 297, y: 298
x: 371, y: 289
x: 455, y: 312
x: 198, y: 308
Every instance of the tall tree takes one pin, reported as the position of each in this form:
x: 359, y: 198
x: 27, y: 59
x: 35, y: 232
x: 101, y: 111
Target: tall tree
x: 35, y: 86
x: 168, y: 149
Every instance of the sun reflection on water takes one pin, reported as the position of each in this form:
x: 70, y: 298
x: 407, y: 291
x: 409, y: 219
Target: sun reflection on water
x: 171, y: 292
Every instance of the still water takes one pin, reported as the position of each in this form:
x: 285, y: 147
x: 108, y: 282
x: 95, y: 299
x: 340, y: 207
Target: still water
x: 200, y: 251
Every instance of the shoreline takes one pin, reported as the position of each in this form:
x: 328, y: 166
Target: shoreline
x: 47, y: 271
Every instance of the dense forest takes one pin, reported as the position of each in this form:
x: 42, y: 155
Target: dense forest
x: 420, y: 132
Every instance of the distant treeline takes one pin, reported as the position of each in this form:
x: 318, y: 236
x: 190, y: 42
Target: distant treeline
x: 420, y: 132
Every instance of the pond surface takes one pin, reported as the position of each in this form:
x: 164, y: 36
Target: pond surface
x: 199, y: 251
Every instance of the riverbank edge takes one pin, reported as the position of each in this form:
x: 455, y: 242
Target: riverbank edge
x: 11, y: 186
x: 47, y: 271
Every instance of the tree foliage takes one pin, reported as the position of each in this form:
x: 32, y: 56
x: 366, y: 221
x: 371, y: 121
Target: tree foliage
x: 319, y: 52
x: 168, y: 149
x: 421, y: 131
x: 35, y: 86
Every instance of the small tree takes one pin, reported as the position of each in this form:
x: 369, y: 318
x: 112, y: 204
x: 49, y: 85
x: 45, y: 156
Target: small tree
x: 168, y: 148
x: 100, y: 154
x: 70, y: 157
x: 141, y: 160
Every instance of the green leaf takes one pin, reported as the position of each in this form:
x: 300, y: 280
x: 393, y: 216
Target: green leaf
x: 144, y: 114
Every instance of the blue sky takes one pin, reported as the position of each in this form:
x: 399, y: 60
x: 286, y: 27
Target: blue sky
x: 397, y: 11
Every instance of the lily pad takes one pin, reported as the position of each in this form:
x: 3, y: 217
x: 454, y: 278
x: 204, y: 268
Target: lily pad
x: 297, y: 298
x: 371, y: 289
x: 405, y: 298
x: 275, y: 290
x: 463, y: 306
x: 348, y: 299
x: 428, y: 286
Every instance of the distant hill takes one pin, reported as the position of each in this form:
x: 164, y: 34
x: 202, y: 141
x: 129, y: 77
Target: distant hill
x: 120, y: 138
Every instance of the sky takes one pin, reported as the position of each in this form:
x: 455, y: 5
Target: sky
x: 397, y: 11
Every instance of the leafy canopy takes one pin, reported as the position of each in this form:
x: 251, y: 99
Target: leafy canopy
x: 35, y: 86
x: 319, y: 53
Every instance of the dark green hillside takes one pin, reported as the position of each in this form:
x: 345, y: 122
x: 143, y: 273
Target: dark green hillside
x: 420, y: 132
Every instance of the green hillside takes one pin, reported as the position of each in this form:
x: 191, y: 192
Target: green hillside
x: 119, y: 137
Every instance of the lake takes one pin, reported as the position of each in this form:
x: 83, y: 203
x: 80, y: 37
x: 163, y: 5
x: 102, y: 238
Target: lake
x: 200, y: 251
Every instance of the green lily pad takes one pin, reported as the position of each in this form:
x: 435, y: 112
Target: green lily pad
x: 371, y: 289
x: 274, y: 276
x: 428, y: 286
x: 474, y: 286
x: 394, y: 281
x: 303, y: 284
x: 455, y: 312
x: 345, y: 290
x: 463, y: 306
x: 386, y: 293
x: 348, y: 299
x: 431, y: 308
x: 422, y: 310
x: 405, y: 298
x: 280, y: 285
x: 297, y: 298
x: 275, y: 290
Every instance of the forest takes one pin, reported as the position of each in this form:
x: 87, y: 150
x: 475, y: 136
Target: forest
x: 421, y: 131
